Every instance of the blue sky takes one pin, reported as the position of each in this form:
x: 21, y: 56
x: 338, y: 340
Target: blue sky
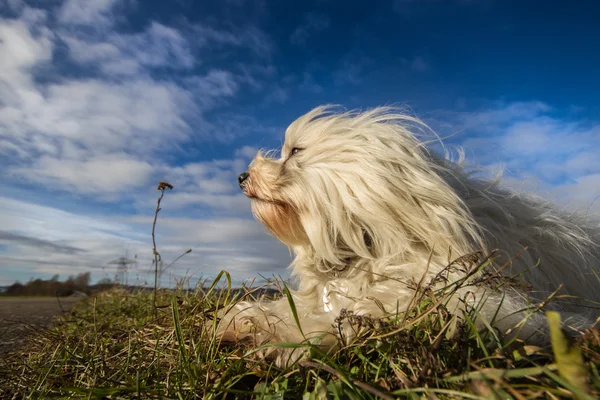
x: 101, y: 99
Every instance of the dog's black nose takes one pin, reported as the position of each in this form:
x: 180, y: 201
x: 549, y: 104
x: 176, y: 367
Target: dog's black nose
x: 242, y: 178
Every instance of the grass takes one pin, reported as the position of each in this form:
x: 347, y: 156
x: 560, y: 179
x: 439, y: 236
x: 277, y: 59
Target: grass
x: 114, y: 346
x: 162, y: 345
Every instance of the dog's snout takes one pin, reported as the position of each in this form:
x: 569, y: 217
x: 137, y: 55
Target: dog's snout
x: 242, y: 178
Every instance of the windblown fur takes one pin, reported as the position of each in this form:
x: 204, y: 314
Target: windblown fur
x: 367, y: 209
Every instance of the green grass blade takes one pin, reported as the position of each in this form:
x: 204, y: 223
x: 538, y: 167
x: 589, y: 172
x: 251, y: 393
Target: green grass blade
x: 179, y: 334
x: 568, y: 358
x: 290, y: 300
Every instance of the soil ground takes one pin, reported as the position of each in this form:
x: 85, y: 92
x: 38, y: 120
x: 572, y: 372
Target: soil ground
x: 22, y: 316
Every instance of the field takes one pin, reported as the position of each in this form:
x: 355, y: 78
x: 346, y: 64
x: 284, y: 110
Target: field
x: 116, y: 345
x: 21, y: 316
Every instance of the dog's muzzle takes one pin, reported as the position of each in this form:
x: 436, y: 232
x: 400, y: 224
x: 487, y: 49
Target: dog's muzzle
x: 242, y: 178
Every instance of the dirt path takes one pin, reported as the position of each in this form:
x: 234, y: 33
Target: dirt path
x: 21, y: 316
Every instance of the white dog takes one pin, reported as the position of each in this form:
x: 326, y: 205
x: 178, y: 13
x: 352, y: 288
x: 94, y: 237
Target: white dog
x: 368, y: 211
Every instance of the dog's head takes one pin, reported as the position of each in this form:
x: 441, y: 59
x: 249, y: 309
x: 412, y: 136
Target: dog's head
x: 355, y: 185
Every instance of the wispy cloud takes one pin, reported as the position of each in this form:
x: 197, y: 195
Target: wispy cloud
x: 248, y: 37
x: 127, y: 54
x: 46, y: 240
x: 417, y: 63
x: 533, y: 141
x: 89, y: 12
x: 351, y: 69
x: 103, y: 175
x: 312, y: 24
x: 308, y: 84
x: 37, y: 243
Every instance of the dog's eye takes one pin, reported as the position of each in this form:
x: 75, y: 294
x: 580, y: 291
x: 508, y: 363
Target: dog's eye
x: 295, y: 151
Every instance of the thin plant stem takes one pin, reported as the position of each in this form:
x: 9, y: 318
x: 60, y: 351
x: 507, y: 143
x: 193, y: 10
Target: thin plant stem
x: 157, y: 258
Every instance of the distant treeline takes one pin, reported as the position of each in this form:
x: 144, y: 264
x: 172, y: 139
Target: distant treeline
x: 81, y: 283
x: 54, y: 287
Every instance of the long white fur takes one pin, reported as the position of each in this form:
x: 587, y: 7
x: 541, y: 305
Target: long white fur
x: 367, y: 208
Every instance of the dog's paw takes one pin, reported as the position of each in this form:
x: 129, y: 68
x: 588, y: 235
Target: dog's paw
x: 235, y: 330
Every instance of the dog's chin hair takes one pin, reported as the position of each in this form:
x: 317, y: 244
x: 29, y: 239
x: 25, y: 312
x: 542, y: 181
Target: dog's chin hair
x: 367, y: 209
x: 281, y: 220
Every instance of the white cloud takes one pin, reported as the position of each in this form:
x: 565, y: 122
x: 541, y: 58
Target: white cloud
x: 225, y: 230
x: 247, y: 152
x: 532, y: 142
x: 33, y: 233
x: 232, y: 203
x: 83, y: 51
x: 103, y: 174
x: 214, y: 85
x: 53, y: 224
x: 97, y: 240
x: 241, y: 246
x: 87, y: 12
x: 79, y: 119
x: 22, y: 49
x: 220, y: 174
x: 126, y: 54
x: 500, y: 113
x: 583, y: 194
x: 210, y: 184
x: 228, y: 126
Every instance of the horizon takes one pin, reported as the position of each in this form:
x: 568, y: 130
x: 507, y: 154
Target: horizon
x: 102, y: 99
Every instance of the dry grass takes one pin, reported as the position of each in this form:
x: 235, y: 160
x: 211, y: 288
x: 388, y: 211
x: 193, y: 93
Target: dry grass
x: 113, y: 346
